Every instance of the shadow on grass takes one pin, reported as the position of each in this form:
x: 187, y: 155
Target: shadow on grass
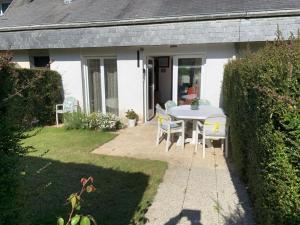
x: 47, y: 184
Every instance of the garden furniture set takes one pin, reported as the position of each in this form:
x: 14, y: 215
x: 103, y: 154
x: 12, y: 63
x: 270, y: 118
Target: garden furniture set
x: 208, y: 121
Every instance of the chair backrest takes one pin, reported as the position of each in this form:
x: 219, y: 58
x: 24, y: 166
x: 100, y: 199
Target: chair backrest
x: 169, y: 104
x: 215, y: 126
x: 204, y: 102
x: 70, y: 104
x: 162, y: 116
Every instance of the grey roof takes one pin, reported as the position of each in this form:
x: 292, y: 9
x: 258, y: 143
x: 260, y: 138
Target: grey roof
x: 40, y: 12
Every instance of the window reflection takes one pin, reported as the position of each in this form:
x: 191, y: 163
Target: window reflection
x: 189, y: 77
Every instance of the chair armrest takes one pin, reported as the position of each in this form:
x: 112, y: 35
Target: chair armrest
x: 200, y: 124
x: 57, y: 106
x: 177, y: 122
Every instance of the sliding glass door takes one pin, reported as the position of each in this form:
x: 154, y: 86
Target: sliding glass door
x: 111, y: 86
x: 101, y: 85
x: 186, y: 79
x: 94, y: 85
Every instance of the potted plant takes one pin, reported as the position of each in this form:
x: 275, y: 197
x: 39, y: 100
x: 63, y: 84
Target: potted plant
x: 132, y: 118
x: 195, y: 104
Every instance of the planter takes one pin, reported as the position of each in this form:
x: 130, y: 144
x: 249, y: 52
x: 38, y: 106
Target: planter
x: 194, y: 107
x: 131, y: 122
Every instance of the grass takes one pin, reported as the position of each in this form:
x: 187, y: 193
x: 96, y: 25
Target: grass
x: 52, y: 171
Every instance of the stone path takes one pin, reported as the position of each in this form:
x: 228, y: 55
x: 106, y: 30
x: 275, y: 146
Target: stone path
x: 195, y: 191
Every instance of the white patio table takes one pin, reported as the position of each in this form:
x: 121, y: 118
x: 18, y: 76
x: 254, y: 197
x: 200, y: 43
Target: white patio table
x: 184, y: 112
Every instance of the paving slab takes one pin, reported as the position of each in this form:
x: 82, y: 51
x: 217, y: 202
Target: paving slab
x: 194, y: 191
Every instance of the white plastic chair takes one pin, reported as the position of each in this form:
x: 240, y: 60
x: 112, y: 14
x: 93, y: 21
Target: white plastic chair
x: 168, y: 127
x: 213, y: 128
x: 169, y: 104
x: 70, y: 104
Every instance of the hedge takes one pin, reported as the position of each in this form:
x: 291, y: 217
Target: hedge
x: 25, y: 96
x: 36, y: 104
x: 261, y: 97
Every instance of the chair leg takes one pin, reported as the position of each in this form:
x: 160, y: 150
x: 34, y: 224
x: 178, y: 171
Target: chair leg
x: 222, y: 145
x: 168, y: 141
x: 226, y: 147
x: 196, y: 144
x: 203, y: 147
x: 182, y: 141
x: 56, y: 119
x: 158, y: 136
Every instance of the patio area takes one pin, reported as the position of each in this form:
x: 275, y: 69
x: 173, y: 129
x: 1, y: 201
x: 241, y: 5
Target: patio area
x: 195, y: 191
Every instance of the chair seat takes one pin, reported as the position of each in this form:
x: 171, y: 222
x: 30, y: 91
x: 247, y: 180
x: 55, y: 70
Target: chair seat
x: 211, y: 133
x: 173, y: 126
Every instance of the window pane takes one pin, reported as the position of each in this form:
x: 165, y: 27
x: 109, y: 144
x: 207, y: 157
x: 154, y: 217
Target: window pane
x: 111, y: 86
x: 94, y: 82
x: 41, y: 61
x: 189, y: 77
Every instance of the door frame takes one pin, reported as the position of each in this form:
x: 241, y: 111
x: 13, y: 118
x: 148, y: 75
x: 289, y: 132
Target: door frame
x: 86, y: 90
x: 150, y: 113
x: 175, y: 74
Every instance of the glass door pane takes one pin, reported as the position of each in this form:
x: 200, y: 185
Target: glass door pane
x: 111, y: 86
x: 189, y: 78
x: 94, y: 85
x: 150, y: 79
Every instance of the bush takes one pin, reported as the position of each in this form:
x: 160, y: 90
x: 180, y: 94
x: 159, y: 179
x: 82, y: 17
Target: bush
x: 37, y: 103
x: 261, y: 97
x: 75, y: 120
x: 10, y: 148
x: 94, y: 121
x: 130, y: 114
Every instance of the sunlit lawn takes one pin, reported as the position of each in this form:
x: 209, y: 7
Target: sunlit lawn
x: 52, y: 170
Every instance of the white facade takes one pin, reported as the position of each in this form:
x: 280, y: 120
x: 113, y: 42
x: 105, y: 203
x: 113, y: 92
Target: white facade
x: 132, y: 79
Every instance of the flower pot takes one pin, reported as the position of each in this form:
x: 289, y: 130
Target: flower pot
x: 131, y: 122
x: 194, y: 107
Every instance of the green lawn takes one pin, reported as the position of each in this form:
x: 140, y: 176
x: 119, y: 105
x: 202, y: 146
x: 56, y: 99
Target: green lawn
x: 53, y: 169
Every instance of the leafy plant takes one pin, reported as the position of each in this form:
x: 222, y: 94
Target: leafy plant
x: 130, y: 114
x: 75, y: 120
x: 93, y: 121
x: 11, y: 134
x: 75, y: 200
x: 36, y: 102
x: 195, y: 102
x: 262, y: 98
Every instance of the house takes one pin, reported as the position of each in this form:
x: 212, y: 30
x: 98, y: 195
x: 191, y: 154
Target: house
x: 116, y: 55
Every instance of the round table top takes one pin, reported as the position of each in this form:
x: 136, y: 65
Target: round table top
x: 202, y: 113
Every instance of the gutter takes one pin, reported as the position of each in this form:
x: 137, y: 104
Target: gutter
x: 145, y: 21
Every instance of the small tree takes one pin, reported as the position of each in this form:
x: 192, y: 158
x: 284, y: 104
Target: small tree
x: 75, y: 202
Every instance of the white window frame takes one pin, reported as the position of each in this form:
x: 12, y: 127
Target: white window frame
x: 175, y: 73
x: 86, y: 90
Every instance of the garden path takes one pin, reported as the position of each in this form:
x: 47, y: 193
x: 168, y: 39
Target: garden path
x: 195, y: 191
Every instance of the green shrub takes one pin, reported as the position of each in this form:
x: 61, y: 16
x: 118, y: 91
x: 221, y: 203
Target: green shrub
x: 75, y: 120
x: 10, y: 148
x: 261, y: 97
x: 93, y: 121
x: 37, y: 103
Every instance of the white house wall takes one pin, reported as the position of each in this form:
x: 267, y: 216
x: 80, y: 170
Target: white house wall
x: 131, y: 86
x: 21, y: 58
x: 130, y: 82
x: 68, y: 64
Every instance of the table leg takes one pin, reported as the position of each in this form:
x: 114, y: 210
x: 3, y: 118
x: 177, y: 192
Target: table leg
x: 194, y: 140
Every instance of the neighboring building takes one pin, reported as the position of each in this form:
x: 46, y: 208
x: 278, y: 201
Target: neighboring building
x: 116, y: 55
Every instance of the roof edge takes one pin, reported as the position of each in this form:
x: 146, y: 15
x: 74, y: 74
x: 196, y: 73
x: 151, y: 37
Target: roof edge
x: 171, y: 19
